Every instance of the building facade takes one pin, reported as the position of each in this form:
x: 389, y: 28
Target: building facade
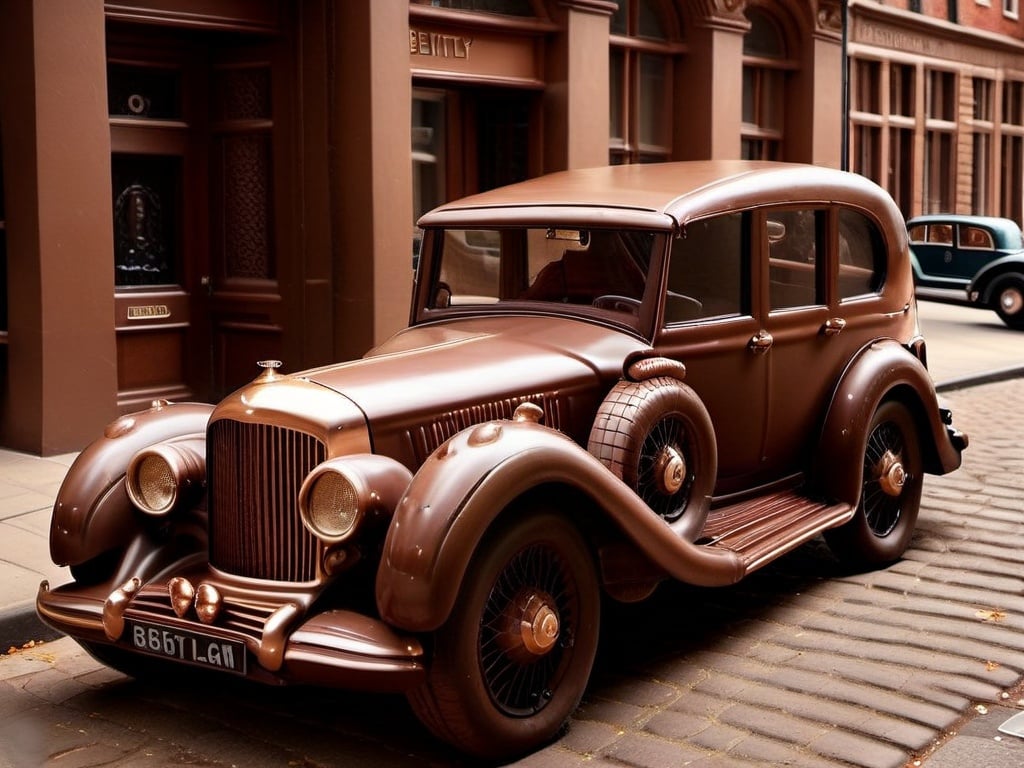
x: 190, y: 186
x: 937, y: 103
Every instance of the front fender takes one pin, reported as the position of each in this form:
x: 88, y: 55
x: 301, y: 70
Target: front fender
x: 463, y: 487
x: 982, y: 282
x: 92, y: 513
x: 883, y: 369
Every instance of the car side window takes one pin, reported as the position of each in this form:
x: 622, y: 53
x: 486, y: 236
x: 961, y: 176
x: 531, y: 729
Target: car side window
x: 795, y: 239
x: 917, y: 233
x: 862, y: 255
x: 975, y: 237
x: 706, y: 272
x: 941, y: 234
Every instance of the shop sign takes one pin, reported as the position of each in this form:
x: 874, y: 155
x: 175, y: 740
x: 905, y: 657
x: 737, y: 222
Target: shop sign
x: 148, y: 312
x: 484, y: 56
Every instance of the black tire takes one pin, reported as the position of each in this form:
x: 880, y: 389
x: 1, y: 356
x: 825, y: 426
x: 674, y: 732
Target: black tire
x: 1008, y: 301
x: 496, y: 693
x: 648, y: 429
x: 890, y: 498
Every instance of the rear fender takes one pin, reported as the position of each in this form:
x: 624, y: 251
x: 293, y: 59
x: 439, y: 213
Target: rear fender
x: 882, y: 370
x: 470, y: 480
x: 92, y: 513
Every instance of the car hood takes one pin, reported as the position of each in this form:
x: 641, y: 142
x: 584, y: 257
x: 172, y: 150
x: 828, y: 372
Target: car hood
x: 426, y: 371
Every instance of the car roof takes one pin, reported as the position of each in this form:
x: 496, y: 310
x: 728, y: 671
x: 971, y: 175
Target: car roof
x: 664, y: 195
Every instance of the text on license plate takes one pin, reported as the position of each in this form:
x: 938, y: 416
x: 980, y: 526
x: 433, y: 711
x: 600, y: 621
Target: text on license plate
x: 191, y: 647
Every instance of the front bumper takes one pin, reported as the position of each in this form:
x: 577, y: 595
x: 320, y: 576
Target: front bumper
x: 281, y: 641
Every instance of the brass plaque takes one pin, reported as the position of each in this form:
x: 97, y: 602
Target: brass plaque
x: 148, y: 312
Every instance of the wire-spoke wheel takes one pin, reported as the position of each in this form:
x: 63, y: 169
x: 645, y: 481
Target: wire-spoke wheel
x: 656, y: 435
x: 511, y: 663
x: 883, y: 524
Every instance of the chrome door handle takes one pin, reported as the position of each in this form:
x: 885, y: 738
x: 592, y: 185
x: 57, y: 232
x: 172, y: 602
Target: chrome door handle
x: 760, y: 342
x: 833, y: 326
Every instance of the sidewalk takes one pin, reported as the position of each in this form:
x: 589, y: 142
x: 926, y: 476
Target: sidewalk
x: 28, y: 486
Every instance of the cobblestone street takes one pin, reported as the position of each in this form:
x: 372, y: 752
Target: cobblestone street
x: 800, y: 665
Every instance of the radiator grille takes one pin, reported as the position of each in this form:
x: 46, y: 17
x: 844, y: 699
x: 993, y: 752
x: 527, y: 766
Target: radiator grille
x: 255, y: 472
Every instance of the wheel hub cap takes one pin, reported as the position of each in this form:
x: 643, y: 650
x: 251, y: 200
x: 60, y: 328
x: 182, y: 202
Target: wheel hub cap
x: 670, y: 470
x: 539, y: 626
x: 531, y: 626
x: 1011, y: 300
x: 891, y: 474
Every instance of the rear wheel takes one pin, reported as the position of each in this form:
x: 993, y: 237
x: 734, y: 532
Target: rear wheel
x: 890, y: 497
x: 1008, y: 301
x: 511, y: 663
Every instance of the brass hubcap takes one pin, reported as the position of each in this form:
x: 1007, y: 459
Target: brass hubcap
x: 539, y: 626
x: 670, y: 470
x: 531, y: 626
x: 891, y: 474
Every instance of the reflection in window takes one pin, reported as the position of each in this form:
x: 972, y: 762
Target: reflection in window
x: 861, y: 255
x: 644, y: 35
x: 600, y: 268
x: 143, y: 92
x: 705, y: 276
x: 145, y: 202
x: 794, y: 239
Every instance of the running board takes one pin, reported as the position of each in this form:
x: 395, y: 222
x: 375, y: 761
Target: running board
x: 762, y: 529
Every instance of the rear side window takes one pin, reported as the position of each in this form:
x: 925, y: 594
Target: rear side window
x: 862, y: 255
x: 975, y: 237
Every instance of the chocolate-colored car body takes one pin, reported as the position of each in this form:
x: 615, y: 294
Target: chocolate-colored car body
x: 611, y: 377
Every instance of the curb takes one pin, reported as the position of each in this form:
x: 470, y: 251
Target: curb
x: 20, y: 624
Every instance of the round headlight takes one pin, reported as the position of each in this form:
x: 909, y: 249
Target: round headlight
x: 153, y: 485
x: 331, y: 508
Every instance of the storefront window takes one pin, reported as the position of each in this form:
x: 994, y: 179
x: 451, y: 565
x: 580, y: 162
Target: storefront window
x: 505, y: 7
x: 3, y: 259
x: 983, y: 127
x: 940, y: 141
x: 1011, y: 196
x: 645, y: 38
x: 428, y: 157
x: 765, y: 66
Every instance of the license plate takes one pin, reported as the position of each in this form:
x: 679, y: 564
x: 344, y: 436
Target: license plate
x: 183, y: 645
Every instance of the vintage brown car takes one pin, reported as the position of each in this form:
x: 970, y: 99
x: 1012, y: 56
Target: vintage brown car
x: 611, y: 377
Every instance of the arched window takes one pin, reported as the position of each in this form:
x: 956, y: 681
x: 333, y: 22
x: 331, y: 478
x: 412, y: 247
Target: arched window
x: 645, y: 36
x: 765, y: 65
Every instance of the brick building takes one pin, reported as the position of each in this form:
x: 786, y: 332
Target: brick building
x: 193, y: 185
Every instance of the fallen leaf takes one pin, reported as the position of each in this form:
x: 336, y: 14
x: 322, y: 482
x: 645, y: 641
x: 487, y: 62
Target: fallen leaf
x: 991, y: 666
x: 991, y: 614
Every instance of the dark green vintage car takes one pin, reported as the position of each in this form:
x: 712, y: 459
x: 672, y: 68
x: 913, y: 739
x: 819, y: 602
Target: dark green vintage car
x: 982, y: 255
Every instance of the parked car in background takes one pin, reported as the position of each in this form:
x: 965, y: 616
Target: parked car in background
x: 611, y: 377
x: 980, y: 258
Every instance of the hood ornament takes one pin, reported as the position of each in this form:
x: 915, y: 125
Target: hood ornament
x: 269, y: 372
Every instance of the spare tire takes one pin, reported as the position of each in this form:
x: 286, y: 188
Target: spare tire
x: 657, y: 437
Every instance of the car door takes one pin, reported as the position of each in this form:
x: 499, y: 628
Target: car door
x: 933, y: 245
x: 708, y: 324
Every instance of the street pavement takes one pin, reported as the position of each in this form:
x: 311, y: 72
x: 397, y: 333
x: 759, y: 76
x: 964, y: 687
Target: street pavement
x: 801, y: 665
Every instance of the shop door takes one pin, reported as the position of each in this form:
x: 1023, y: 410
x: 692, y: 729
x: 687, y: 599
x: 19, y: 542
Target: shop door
x: 196, y: 296
x: 469, y: 140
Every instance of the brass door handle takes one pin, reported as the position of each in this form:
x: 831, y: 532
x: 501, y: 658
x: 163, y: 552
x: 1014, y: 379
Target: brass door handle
x: 833, y: 326
x: 761, y: 342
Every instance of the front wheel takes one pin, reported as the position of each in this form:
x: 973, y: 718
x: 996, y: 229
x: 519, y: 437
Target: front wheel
x: 1008, y: 302
x: 511, y: 663
x: 890, y: 497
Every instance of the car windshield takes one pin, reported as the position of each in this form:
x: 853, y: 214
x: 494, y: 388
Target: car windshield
x: 561, y: 269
